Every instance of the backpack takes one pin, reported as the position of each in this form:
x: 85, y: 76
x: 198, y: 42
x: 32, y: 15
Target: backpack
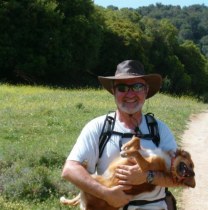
x: 109, y: 124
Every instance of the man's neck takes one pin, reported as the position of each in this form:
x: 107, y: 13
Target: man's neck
x: 130, y: 121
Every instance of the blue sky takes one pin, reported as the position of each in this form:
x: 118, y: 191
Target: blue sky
x: 138, y: 3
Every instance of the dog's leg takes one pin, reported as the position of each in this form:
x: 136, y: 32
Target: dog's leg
x: 141, y: 161
x: 131, y: 149
x: 133, y: 144
x: 70, y: 202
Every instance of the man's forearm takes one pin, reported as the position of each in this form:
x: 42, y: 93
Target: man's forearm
x: 75, y: 173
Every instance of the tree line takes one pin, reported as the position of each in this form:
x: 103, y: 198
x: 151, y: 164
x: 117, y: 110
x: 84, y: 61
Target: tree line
x: 191, y: 22
x: 70, y: 43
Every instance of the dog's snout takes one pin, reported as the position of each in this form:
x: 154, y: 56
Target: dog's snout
x: 191, y: 173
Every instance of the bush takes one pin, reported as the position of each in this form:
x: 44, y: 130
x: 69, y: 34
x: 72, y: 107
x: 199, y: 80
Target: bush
x: 27, y: 183
x: 204, y: 97
x: 34, y: 179
x: 51, y: 159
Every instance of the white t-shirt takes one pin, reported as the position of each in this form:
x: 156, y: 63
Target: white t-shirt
x: 87, y: 149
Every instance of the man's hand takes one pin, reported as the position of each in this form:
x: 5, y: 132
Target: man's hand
x: 130, y: 174
x: 116, y: 196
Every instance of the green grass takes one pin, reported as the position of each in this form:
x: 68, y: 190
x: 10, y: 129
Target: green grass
x: 38, y: 127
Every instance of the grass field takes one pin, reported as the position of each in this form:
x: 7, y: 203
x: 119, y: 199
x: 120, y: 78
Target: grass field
x: 38, y: 127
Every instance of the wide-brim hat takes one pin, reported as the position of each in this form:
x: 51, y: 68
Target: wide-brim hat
x: 130, y: 69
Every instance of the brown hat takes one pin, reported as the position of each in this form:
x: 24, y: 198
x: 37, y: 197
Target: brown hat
x: 132, y: 69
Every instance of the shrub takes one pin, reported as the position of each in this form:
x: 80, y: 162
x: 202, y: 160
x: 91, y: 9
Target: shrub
x: 27, y: 183
x: 51, y: 159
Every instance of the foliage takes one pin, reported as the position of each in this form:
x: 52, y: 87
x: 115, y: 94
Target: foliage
x: 191, y: 21
x: 26, y: 40
x: 50, y: 41
x: 123, y: 36
x: 68, y: 43
x: 195, y: 66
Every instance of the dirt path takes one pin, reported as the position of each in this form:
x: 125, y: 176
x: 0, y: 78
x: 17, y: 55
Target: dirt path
x: 195, y: 140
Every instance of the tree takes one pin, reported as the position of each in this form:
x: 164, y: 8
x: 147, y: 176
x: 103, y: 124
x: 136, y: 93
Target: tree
x: 51, y: 40
x: 191, y: 21
x: 204, y: 45
x: 29, y: 35
x: 195, y: 66
x: 122, y: 40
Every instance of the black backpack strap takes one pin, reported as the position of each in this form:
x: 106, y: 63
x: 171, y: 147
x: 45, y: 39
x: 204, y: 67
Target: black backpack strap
x: 153, y: 128
x: 109, y: 124
x: 106, y: 132
x: 170, y: 200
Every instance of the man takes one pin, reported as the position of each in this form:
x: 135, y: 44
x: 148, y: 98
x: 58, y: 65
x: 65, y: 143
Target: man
x: 130, y: 88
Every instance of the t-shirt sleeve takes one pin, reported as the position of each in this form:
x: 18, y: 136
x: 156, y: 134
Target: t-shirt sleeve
x: 167, y: 139
x: 86, y: 146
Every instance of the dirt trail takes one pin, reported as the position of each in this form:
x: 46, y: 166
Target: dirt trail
x: 195, y: 140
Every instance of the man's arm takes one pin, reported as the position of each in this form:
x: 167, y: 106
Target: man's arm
x: 132, y: 175
x: 75, y: 173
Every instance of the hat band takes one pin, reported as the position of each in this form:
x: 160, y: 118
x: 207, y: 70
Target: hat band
x: 128, y: 74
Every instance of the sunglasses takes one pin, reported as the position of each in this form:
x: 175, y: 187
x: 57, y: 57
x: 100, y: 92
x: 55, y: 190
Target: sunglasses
x: 137, y: 87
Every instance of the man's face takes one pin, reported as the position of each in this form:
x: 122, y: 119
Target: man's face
x: 130, y: 94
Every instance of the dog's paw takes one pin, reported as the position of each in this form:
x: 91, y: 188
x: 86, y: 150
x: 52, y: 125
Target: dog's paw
x: 62, y: 200
x: 124, y: 148
x: 123, y: 154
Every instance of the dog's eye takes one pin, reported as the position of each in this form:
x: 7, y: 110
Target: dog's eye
x: 182, y: 166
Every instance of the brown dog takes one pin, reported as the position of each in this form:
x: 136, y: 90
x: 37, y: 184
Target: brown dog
x: 180, y: 168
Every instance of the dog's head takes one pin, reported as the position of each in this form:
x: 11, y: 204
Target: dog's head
x: 183, y: 168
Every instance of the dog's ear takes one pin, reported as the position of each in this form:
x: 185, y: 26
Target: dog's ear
x: 190, y: 182
x: 182, y: 153
x: 178, y: 152
x: 185, y: 154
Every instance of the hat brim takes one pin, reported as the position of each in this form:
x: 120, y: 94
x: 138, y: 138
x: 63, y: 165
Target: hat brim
x: 154, y: 82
